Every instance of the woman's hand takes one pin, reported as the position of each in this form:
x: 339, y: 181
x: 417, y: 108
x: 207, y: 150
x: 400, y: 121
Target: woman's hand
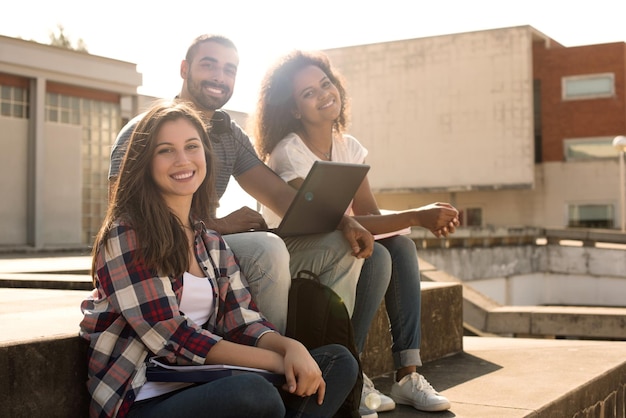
x: 439, y: 218
x: 302, y: 373
x: 359, y: 238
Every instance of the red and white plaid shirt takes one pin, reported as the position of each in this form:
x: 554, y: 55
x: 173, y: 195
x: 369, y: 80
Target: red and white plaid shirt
x: 134, y: 313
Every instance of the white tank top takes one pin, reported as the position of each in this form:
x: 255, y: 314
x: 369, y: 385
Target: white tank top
x: 196, y: 303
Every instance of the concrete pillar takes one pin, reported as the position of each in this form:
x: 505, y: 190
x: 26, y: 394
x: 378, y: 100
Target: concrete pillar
x: 36, y: 154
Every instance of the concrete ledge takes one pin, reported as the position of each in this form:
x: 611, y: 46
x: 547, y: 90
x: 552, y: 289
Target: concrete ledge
x: 44, y: 378
x: 590, y: 236
x: 492, y: 378
x: 486, y: 315
x: 46, y: 281
x: 54, y: 263
x: 526, y: 378
x: 48, y: 375
x: 442, y: 329
x: 33, y: 314
x: 588, y: 322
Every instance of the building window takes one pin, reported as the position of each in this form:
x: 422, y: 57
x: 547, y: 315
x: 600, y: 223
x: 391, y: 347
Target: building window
x: 471, y: 217
x: 13, y: 102
x: 591, y: 216
x: 591, y: 148
x: 63, y: 109
x: 588, y: 86
x: 100, y: 122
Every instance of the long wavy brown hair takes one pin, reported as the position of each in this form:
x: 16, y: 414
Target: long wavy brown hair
x: 136, y: 198
x: 273, y: 118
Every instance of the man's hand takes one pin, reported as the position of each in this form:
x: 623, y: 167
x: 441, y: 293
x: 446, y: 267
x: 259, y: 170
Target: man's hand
x: 243, y: 219
x: 360, y: 239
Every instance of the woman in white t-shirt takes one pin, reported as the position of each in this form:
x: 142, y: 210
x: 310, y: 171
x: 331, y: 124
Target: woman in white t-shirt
x: 301, y: 117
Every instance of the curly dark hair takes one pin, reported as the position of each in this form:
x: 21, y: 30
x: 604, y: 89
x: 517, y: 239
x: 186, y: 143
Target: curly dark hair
x: 273, y: 118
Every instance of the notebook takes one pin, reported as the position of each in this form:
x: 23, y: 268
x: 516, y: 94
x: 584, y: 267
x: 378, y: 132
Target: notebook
x: 323, y: 198
x: 159, y: 370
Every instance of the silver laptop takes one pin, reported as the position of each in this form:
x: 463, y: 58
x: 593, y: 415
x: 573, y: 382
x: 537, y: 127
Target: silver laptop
x: 323, y: 198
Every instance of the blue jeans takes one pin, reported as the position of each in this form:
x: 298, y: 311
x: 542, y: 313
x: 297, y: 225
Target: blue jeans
x: 250, y: 395
x: 391, y: 272
x: 340, y: 370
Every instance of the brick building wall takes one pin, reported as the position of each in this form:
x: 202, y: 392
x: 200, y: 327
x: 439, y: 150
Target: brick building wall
x: 563, y: 119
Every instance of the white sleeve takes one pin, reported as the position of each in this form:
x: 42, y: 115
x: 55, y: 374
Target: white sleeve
x: 357, y: 152
x: 291, y: 159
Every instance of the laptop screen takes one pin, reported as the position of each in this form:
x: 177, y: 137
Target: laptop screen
x: 323, y: 198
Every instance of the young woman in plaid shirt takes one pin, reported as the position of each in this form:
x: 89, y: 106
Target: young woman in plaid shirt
x: 167, y: 286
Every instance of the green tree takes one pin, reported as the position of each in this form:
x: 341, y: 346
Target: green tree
x: 60, y: 39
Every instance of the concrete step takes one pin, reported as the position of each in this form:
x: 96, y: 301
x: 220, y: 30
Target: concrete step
x: 492, y: 378
x: 442, y: 328
x: 485, y: 316
x: 54, y: 263
x: 29, y: 314
x: 482, y: 377
x: 46, y: 281
x: 516, y: 377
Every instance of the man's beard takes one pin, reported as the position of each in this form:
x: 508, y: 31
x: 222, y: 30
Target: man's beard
x: 203, y: 100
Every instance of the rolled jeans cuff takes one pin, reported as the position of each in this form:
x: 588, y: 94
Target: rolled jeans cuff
x: 406, y: 358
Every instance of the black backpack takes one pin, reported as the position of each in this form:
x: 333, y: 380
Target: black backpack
x: 317, y: 316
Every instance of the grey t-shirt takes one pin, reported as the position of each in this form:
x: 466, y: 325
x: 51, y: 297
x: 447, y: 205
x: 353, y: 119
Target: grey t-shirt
x: 232, y: 148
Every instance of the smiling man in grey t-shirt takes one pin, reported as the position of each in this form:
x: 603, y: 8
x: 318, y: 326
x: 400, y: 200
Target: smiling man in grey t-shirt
x: 268, y: 262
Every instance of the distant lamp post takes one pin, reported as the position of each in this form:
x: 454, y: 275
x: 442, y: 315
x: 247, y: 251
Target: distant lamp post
x: 619, y: 142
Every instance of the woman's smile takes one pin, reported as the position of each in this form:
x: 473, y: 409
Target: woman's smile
x: 183, y: 175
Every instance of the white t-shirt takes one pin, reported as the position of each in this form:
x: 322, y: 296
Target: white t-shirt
x: 292, y: 159
x: 196, y: 303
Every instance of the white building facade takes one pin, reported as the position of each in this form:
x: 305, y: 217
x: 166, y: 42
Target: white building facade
x: 60, y: 111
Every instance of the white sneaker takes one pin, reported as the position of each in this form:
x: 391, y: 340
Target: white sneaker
x: 373, y: 399
x: 365, y: 412
x: 414, y: 390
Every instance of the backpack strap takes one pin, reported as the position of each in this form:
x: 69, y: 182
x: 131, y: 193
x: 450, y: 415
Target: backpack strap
x: 308, y: 274
x: 220, y: 124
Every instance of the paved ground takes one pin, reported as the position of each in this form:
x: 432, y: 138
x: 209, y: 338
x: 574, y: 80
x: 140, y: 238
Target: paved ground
x: 27, y: 313
x: 516, y: 377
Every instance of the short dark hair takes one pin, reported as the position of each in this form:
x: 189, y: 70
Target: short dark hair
x: 220, y: 39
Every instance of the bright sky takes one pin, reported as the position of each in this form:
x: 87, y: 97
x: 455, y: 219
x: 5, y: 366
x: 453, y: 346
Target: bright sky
x: 155, y: 35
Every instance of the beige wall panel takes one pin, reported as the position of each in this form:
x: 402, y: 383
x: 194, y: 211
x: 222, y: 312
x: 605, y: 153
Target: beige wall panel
x: 557, y: 185
x: 62, y: 185
x: 584, y: 182
x: 13, y: 181
x: 451, y: 112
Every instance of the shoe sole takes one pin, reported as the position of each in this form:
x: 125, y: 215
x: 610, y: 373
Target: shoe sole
x: 431, y: 408
x: 385, y: 408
